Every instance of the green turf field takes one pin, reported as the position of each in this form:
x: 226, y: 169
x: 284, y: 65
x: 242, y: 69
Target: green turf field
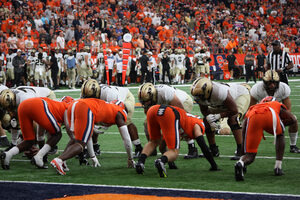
x: 192, y: 174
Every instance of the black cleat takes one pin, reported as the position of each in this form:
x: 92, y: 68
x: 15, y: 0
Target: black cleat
x: 53, y: 150
x: 139, y: 167
x: 83, y: 158
x: 193, y: 153
x: 172, y: 165
x: 138, y: 151
x: 239, y: 172
x: 278, y: 172
x: 2, y: 158
x: 97, y: 149
x: 214, y: 151
x: 160, y: 168
x: 4, y: 142
x: 294, y: 149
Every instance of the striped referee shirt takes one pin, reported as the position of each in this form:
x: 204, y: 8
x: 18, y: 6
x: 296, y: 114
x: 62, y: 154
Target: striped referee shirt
x: 278, y: 60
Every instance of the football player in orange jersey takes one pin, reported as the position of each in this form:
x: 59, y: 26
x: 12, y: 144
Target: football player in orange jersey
x: 170, y: 120
x: 270, y: 116
x: 82, y: 116
x: 47, y: 113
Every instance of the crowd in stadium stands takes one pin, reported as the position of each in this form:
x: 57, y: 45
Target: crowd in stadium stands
x: 219, y: 25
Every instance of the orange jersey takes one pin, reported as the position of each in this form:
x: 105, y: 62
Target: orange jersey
x: 169, y: 120
x: 262, y: 117
x: 46, y: 112
x: 84, y: 113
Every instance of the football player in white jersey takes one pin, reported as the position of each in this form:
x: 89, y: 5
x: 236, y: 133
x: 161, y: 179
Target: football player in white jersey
x: 40, y: 69
x: 217, y: 101
x: 110, y: 64
x: 206, y: 63
x: 150, y: 95
x: 271, y: 86
x: 111, y: 93
x: 179, y: 66
x: 10, y: 76
x: 199, y: 61
x: 31, y: 61
x: 172, y: 57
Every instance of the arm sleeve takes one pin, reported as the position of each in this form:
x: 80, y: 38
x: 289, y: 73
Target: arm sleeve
x: 126, y: 139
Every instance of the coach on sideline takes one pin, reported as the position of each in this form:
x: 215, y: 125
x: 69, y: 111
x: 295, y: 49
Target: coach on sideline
x: 280, y: 61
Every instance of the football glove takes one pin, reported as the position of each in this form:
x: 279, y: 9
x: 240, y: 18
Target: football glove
x: 212, y: 118
x: 95, y: 162
x: 130, y: 163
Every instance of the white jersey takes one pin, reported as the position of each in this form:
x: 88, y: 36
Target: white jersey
x: 100, y: 59
x: 179, y: 60
x: 45, y: 55
x: 32, y: 61
x: 153, y: 61
x: 110, y: 93
x: 40, y: 66
x: 3, y: 87
x: 166, y: 93
x: 259, y: 92
x: 39, y: 91
x: 9, y: 59
x: 200, y: 58
x: 220, y: 93
x: 172, y: 59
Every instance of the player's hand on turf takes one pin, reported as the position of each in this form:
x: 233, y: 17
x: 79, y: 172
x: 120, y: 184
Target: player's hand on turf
x: 95, y: 162
x: 130, y: 163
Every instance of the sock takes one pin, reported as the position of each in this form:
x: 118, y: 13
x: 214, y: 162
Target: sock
x: 201, y: 142
x: 212, y: 145
x: 142, y: 158
x: 136, y: 142
x: 278, y: 164
x: 239, y: 148
x: 192, y: 145
x: 293, y: 138
x: 43, y: 151
x: 164, y: 159
x: 14, y: 137
x: 12, y: 152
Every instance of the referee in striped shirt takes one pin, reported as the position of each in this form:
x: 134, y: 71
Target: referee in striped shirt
x: 280, y: 61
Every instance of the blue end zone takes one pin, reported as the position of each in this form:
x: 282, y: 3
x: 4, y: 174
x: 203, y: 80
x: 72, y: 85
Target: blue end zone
x: 38, y: 190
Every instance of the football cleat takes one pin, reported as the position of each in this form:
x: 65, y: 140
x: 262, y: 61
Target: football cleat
x: 214, y: 151
x: 237, y: 155
x: 4, y: 163
x: 193, y: 153
x: 57, y: 163
x: 83, y: 158
x: 97, y: 149
x: 139, y: 167
x: 160, y: 166
x: 39, y: 162
x: 294, y: 149
x: 278, y: 172
x: 172, y: 165
x: 239, y: 171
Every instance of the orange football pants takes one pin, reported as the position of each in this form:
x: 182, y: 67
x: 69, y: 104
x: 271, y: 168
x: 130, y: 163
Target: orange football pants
x: 37, y: 110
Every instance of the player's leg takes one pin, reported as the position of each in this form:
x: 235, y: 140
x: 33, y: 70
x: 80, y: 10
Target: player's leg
x: 293, y: 133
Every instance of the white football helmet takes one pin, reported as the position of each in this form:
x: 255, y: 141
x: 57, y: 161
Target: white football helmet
x: 147, y: 92
x: 90, y: 89
x: 202, y: 88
